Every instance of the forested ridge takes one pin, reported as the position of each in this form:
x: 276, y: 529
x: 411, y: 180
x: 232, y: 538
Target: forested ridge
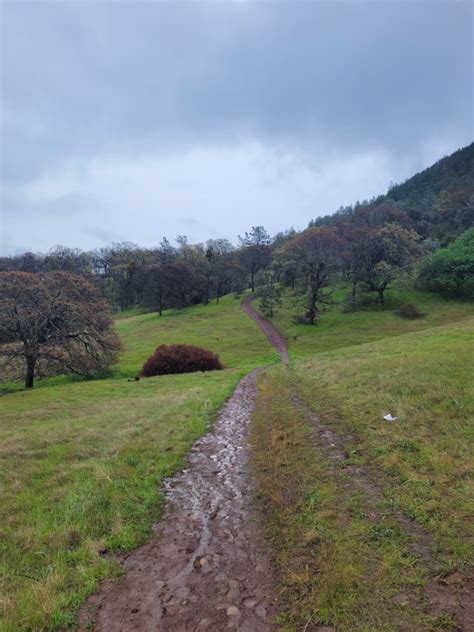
x: 438, y: 200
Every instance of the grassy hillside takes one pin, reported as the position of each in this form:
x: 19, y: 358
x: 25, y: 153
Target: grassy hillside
x: 82, y: 462
x: 338, y: 329
x: 371, y: 521
x: 222, y: 328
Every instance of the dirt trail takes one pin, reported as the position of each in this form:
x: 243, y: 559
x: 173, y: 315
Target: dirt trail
x: 274, y: 336
x: 206, y: 568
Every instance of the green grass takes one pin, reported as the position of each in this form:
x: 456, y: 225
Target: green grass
x: 82, y: 461
x: 222, y: 328
x: 342, y: 556
x: 425, y: 457
x: 338, y: 329
x: 137, y: 310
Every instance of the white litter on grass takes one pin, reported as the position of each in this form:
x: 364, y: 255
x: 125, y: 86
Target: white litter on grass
x: 389, y: 417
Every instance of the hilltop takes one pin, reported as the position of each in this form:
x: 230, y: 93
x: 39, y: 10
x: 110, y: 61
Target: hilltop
x: 429, y: 198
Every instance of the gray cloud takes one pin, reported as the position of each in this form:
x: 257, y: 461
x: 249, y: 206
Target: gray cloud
x: 314, y: 86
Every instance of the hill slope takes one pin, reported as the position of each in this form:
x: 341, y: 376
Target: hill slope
x: 446, y: 186
x: 449, y: 173
x: 370, y: 520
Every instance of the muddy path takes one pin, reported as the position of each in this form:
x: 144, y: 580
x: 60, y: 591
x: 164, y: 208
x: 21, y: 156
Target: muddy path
x: 274, y: 336
x: 206, y: 568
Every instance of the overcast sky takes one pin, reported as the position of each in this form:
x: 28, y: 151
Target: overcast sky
x: 127, y: 121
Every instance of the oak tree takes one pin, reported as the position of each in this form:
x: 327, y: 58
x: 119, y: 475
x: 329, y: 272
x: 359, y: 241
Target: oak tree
x: 380, y: 255
x: 316, y: 253
x: 54, y: 322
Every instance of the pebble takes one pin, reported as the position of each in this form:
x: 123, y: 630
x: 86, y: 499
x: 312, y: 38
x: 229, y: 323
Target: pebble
x: 221, y: 577
x: 182, y: 592
x: 250, y: 603
x: 261, y: 611
x: 234, y: 590
x: 232, y: 611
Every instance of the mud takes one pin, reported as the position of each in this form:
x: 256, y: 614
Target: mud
x: 274, y: 337
x: 206, y: 568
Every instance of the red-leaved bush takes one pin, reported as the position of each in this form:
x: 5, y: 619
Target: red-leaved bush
x: 180, y: 359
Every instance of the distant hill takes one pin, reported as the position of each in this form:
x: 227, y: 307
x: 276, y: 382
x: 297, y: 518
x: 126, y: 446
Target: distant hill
x: 439, y: 200
x: 449, y: 173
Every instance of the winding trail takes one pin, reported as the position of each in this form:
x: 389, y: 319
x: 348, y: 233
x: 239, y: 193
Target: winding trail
x: 206, y: 568
x: 274, y: 337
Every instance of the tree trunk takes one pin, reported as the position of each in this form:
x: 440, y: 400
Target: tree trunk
x: 30, y: 371
x: 252, y: 280
x: 311, y: 314
x: 353, y: 295
x: 161, y: 301
x: 381, y: 289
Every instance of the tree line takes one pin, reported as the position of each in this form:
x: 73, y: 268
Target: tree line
x: 162, y: 277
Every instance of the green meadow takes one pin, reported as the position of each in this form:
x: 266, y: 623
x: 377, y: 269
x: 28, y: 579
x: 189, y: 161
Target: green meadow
x: 82, y: 461
x: 339, y: 329
x: 222, y: 328
x: 346, y: 555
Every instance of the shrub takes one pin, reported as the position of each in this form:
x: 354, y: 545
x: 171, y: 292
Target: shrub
x: 450, y: 270
x: 180, y: 359
x: 409, y: 310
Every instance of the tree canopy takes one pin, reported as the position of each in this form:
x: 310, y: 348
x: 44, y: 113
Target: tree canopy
x: 54, y: 322
x: 450, y: 270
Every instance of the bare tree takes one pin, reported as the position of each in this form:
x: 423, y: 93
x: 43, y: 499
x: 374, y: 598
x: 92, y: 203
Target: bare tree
x: 54, y: 322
